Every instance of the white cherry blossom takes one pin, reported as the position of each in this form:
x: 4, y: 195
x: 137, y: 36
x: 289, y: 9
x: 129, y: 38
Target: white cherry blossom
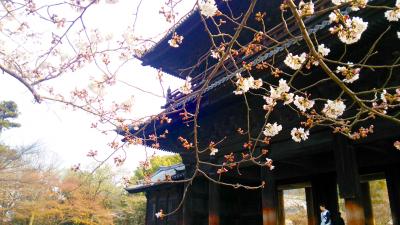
x: 334, y: 109
x: 295, y: 61
x: 287, y: 98
x: 213, y: 151
x: 352, y: 31
x: 299, y: 134
x: 271, y: 130
x: 244, y: 84
x: 392, y: 15
x: 351, y: 74
x: 187, y: 86
x: 303, y: 103
x: 283, y: 87
x: 306, y: 9
x: 324, y: 51
x: 208, y: 8
x: 333, y: 17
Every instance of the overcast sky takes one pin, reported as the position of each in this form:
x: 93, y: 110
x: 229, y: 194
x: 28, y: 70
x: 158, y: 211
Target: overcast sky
x: 67, y: 133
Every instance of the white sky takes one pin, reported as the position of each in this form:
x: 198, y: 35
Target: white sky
x: 67, y: 133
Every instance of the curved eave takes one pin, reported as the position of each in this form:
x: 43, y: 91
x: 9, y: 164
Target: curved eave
x: 196, y: 42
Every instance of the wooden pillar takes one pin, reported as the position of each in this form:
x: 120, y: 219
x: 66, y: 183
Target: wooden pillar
x: 349, y: 180
x: 367, y: 204
x: 148, y: 208
x: 167, y: 209
x: 187, y: 207
x: 269, y: 198
x: 213, y: 203
x: 311, y: 216
x: 188, y: 159
x: 281, y: 208
x: 393, y: 185
x: 157, y: 206
x: 324, y: 191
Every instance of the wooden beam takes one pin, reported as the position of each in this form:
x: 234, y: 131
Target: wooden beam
x: 393, y: 185
x: 269, y: 198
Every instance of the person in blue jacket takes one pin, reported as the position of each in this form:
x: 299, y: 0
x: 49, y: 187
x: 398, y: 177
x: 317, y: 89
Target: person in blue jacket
x: 325, y: 215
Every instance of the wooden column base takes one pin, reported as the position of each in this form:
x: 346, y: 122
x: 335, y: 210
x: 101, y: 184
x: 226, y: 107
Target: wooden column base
x: 354, y: 212
x: 269, y: 216
x: 213, y: 219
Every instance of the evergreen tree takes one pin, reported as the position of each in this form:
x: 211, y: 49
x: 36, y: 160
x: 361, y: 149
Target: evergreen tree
x: 8, y: 112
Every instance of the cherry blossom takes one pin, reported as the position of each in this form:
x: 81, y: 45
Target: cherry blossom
x: 299, y: 134
x: 282, y: 88
x: 208, y: 8
x: 244, y: 84
x: 294, y: 61
x: 334, y: 109
x: 187, y: 86
x: 396, y: 144
x: 306, y: 9
x: 303, y: 103
x: 324, y: 51
x: 213, y: 149
x: 271, y: 130
x: 175, y: 41
x: 351, y: 74
x: 268, y: 163
x: 393, y: 15
x: 160, y: 214
x: 333, y: 17
x: 351, y: 30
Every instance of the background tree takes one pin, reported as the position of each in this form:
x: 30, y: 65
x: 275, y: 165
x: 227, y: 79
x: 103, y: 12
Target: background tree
x: 8, y: 112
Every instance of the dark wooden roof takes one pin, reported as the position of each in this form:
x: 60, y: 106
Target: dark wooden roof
x: 196, y: 42
x: 175, y: 171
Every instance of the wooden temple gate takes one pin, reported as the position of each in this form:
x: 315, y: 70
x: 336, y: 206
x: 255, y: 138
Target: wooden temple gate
x: 330, y: 166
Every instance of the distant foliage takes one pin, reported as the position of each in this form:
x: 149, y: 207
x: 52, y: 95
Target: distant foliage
x: 8, y: 112
x: 132, y: 210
